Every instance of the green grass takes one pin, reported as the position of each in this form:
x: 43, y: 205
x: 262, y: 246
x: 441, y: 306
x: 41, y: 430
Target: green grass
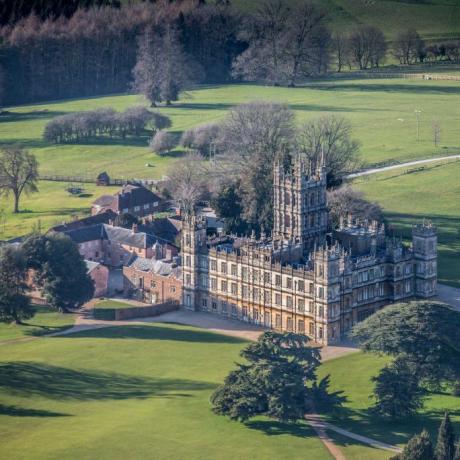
x: 46, y: 321
x: 437, y: 19
x: 132, y: 392
x: 432, y: 193
x: 50, y: 206
x: 105, y: 309
x: 351, y: 374
x: 381, y: 113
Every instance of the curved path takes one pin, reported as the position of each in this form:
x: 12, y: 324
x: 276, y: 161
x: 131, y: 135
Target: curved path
x: 366, y: 172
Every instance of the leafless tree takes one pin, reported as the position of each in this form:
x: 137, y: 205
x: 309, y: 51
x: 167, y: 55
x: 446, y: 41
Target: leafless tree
x: 18, y: 173
x: 330, y: 135
x: 367, y: 47
x: 188, y: 181
x: 202, y: 138
x: 162, y: 142
x: 436, y: 128
x: 340, y: 46
x: 346, y: 200
x: 407, y: 46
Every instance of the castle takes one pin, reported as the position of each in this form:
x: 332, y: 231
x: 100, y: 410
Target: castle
x: 303, y: 278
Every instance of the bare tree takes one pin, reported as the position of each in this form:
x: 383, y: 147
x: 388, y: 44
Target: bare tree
x: 202, y: 138
x: 18, y: 173
x: 340, y: 46
x: 436, y: 128
x: 346, y: 200
x: 252, y: 136
x: 407, y: 46
x: 162, y: 142
x: 330, y: 135
x: 367, y: 47
x: 187, y: 181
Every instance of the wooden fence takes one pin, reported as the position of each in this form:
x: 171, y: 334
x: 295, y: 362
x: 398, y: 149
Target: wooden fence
x: 92, y: 180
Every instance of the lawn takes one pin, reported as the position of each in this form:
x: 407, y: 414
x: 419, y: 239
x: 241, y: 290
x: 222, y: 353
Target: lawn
x: 381, y: 113
x: 50, y: 206
x: 436, y: 19
x: 432, y: 193
x: 143, y: 392
x: 46, y: 321
x: 132, y: 392
x: 112, y: 304
x: 352, y: 374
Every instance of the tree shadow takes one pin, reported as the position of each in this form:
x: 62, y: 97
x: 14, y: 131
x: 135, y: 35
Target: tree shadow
x: 275, y: 428
x: 40, y: 379
x: 9, y: 117
x: 157, y: 333
x: 16, y: 411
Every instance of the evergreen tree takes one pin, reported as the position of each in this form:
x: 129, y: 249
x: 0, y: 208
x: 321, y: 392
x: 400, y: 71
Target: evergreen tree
x: 419, y: 447
x: 457, y: 452
x: 14, y: 303
x: 445, y: 445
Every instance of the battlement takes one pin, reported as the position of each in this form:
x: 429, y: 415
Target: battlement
x: 425, y: 229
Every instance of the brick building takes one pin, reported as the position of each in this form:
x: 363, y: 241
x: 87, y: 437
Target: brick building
x: 302, y: 278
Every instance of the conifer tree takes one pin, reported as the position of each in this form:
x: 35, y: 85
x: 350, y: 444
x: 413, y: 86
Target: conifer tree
x: 445, y: 445
x: 419, y: 447
x: 457, y: 452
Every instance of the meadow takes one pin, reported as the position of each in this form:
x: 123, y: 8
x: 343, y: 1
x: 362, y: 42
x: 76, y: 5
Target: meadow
x: 433, y: 193
x: 142, y: 391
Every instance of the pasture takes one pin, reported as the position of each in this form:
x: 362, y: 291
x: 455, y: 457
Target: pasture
x: 143, y: 390
x: 433, y: 193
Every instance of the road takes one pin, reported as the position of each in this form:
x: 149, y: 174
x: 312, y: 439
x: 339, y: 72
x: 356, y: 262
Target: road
x: 367, y: 172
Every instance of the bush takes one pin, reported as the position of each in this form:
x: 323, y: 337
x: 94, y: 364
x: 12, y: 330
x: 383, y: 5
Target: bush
x: 162, y: 142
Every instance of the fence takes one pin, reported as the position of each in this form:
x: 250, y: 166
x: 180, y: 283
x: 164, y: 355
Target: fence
x: 92, y: 180
x: 118, y: 314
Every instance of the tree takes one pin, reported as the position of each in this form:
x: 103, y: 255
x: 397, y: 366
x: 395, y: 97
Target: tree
x: 202, y: 138
x: 445, y: 445
x: 162, y: 142
x: 252, y: 136
x: 278, y: 380
x: 227, y: 204
x: 14, y: 303
x: 425, y: 332
x: 340, y: 46
x: 163, y: 69
x: 346, y: 200
x: 367, y: 46
x: 126, y: 220
x: 60, y: 270
x: 330, y: 136
x: 18, y: 173
x: 407, y: 45
x: 397, y: 391
x: 457, y: 452
x: 419, y: 447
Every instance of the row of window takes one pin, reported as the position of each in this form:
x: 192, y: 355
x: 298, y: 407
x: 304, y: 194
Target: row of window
x: 155, y: 204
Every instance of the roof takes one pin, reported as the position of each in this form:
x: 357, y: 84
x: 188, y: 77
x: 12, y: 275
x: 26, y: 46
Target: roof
x: 108, y: 232
x: 102, y: 218
x: 90, y: 265
x: 159, y: 267
x: 135, y: 195
x: 104, y: 200
x: 165, y: 227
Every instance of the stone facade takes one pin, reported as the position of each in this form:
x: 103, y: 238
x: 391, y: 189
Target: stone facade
x: 303, y: 279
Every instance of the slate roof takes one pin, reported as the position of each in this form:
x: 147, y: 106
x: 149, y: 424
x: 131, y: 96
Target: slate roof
x: 159, y: 267
x: 108, y: 232
x: 102, y: 218
x: 165, y: 227
x: 135, y: 195
x: 104, y: 200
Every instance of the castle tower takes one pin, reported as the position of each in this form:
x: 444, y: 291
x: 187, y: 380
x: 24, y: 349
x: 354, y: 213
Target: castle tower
x: 300, y: 208
x: 424, y: 244
x: 193, y: 240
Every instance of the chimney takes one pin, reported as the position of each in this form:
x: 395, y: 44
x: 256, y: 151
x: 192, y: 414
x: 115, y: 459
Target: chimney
x: 134, y: 229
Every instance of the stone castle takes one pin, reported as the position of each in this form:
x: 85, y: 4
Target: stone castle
x: 303, y: 278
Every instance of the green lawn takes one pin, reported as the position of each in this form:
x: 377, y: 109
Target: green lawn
x: 435, y: 19
x: 132, y: 392
x: 112, y: 304
x: 352, y: 375
x: 432, y: 193
x: 143, y: 391
x: 50, y: 206
x: 381, y: 113
x: 46, y: 321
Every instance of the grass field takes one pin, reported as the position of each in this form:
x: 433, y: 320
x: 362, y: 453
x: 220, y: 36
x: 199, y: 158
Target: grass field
x: 435, y: 19
x: 381, y: 113
x: 432, y: 193
x: 50, y: 206
x: 143, y: 392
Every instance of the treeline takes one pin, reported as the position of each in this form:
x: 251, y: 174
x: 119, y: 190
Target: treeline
x: 77, y: 126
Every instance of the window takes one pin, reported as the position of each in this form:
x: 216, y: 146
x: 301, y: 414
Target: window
x: 311, y: 329
x: 267, y: 277
x: 245, y: 292
x: 234, y: 270
x: 224, y: 307
x: 278, y: 320
x: 244, y: 273
x: 301, y: 326
x: 146, y: 206
x: 155, y: 204
x: 188, y: 261
x: 204, y: 304
x: 255, y: 276
x: 289, y: 302
x: 321, y: 292
x: 153, y: 284
x: 267, y: 299
x: 278, y: 299
x: 188, y: 279
x: 320, y: 333
x: 137, y: 208
x: 234, y: 310
x: 321, y: 311
x: 223, y: 267
x: 408, y: 269
x: 213, y: 265
x: 172, y: 289
x: 244, y: 311
x: 213, y: 283
x: 188, y: 300
x: 204, y: 282
x: 125, y: 210
x: 277, y: 280
x: 214, y: 305
x: 311, y: 289
x: 256, y: 294
x: 289, y: 324
x: 301, y: 286
x: 234, y: 289
x: 289, y: 283
x: 301, y: 305
x: 223, y: 286
x: 408, y: 286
